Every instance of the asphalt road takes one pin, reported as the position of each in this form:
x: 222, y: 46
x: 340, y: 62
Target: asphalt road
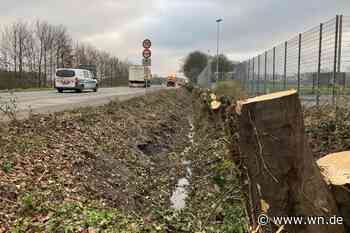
x: 49, y: 101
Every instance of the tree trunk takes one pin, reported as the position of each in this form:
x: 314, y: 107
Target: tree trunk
x: 282, y: 177
x: 336, y: 171
x: 51, y: 69
x: 20, y: 58
x: 39, y: 64
x: 45, y: 67
x: 57, y: 58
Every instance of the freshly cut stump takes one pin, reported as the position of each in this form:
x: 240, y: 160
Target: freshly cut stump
x: 282, y: 178
x: 336, y: 171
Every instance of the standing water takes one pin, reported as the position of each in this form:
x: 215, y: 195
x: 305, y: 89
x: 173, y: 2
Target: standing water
x: 178, y: 198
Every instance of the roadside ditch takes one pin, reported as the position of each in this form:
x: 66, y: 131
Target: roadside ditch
x: 149, y: 164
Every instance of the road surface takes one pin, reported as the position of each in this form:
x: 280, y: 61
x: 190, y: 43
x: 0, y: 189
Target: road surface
x: 49, y: 101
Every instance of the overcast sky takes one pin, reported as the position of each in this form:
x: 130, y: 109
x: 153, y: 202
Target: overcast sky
x: 177, y: 27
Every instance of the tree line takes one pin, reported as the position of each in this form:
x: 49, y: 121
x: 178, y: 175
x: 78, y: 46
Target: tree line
x: 30, y: 52
x: 195, y: 62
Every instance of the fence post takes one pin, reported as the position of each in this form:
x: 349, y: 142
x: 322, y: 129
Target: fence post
x: 244, y: 74
x: 340, y: 43
x: 253, y: 80
x: 335, y: 59
x: 319, y: 66
x: 248, y: 81
x: 285, y: 66
x: 265, y: 75
x: 299, y: 62
x: 258, y: 86
x: 339, y: 63
x: 274, y: 69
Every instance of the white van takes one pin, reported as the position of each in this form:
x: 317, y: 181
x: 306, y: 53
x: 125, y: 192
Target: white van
x: 75, y: 79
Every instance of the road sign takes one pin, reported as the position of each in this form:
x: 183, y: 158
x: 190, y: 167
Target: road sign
x: 146, y: 62
x: 147, y: 43
x: 146, y: 53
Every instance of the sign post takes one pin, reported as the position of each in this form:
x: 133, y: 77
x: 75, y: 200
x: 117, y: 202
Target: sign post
x: 146, y: 61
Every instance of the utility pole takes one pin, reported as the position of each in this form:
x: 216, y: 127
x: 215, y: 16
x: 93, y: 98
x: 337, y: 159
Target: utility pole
x: 217, y: 47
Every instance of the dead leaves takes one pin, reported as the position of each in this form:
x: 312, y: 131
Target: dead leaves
x: 92, y: 153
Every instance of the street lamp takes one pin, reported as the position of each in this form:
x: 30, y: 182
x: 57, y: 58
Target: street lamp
x: 217, y: 47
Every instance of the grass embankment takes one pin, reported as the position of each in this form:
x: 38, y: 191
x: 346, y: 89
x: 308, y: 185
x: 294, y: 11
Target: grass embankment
x: 113, y: 169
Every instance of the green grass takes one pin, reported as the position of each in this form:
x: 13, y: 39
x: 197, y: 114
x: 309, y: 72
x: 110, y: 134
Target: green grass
x: 26, y: 89
x: 231, y: 88
x: 270, y: 87
x: 74, y: 217
x: 7, y: 166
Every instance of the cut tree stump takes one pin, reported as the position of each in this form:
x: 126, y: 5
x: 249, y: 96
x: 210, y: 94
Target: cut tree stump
x: 336, y: 171
x: 282, y: 178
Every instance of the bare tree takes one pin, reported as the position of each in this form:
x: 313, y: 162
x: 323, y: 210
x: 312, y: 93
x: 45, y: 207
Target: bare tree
x: 4, y: 50
x: 40, y: 30
x: 47, y: 47
x: 13, y: 45
x: 23, y: 35
x: 35, y: 50
x: 63, y: 44
x: 9, y: 46
x: 30, y: 52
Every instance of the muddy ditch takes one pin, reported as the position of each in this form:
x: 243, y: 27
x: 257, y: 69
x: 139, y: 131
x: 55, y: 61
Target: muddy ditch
x: 180, y: 194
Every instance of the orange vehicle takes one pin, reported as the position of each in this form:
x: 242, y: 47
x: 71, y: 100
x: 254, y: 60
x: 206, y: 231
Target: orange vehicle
x: 171, y: 81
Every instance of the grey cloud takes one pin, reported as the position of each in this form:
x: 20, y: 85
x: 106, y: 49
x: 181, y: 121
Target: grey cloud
x: 179, y: 26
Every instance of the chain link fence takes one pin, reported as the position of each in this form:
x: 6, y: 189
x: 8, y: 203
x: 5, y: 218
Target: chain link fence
x: 208, y: 77
x: 316, y: 63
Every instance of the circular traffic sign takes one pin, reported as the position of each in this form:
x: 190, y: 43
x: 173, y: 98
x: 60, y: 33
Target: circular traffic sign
x: 147, y: 43
x: 146, y: 53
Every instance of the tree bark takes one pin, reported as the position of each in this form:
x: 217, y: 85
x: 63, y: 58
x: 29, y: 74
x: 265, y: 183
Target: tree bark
x: 282, y: 177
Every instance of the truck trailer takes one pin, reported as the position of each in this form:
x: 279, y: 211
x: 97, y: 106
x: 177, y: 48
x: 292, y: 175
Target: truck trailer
x: 139, y: 76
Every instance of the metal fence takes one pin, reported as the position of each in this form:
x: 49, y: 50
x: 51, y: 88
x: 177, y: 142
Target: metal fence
x: 316, y: 63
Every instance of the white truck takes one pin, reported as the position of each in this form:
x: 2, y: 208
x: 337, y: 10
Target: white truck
x: 139, y: 76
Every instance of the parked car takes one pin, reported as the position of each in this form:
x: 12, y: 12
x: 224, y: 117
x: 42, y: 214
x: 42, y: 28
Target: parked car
x: 75, y: 79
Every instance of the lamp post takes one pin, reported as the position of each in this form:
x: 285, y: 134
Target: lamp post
x: 217, y: 47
